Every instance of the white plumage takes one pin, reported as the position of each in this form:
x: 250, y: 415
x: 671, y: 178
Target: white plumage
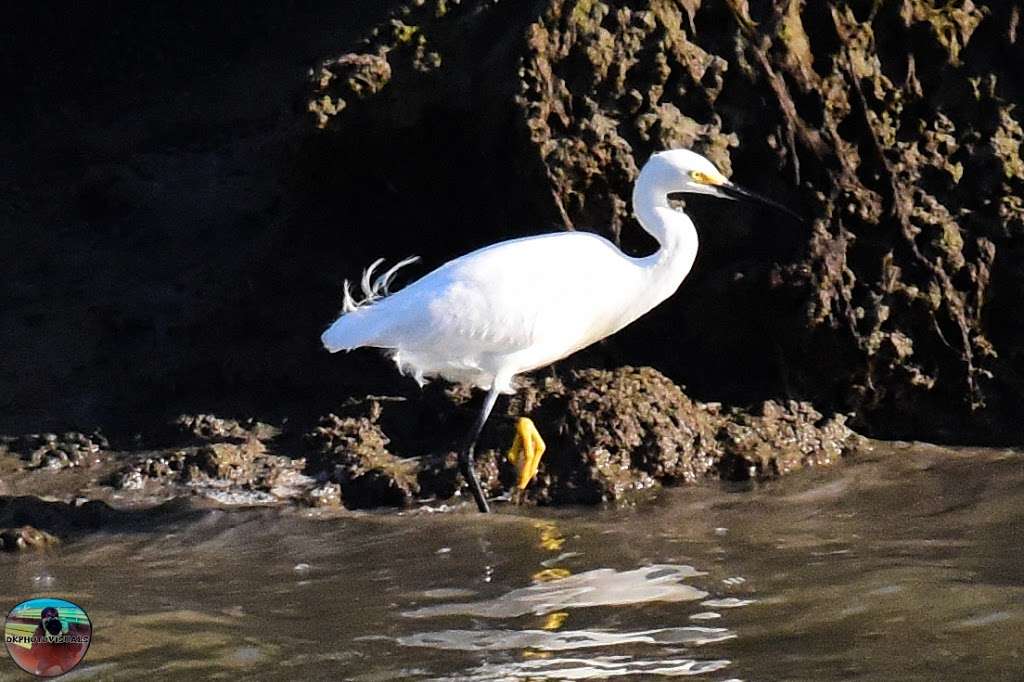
x: 502, y: 310
x: 521, y: 304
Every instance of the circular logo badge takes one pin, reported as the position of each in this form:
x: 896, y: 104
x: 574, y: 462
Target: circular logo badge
x: 47, y: 637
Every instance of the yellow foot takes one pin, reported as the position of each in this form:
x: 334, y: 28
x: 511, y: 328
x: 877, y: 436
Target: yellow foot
x: 526, y: 451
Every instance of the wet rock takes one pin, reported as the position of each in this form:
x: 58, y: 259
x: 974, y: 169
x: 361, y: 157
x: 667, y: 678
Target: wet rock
x: 325, y: 495
x: 209, y: 428
x: 129, y: 479
x: 164, y: 468
x: 774, y: 439
x: 59, y: 451
x: 439, y: 477
x: 225, y: 461
x: 612, y: 436
x: 619, y: 435
x: 247, y: 467
x: 234, y: 473
x: 352, y: 452
x: 57, y: 518
x: 33, y: 522
x: 25, y: 538
x: 614, y: 433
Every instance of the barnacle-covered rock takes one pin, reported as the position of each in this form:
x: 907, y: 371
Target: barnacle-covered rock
x: 352, y: 451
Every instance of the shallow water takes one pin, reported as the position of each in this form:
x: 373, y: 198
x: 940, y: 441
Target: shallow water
x: 902, y: 565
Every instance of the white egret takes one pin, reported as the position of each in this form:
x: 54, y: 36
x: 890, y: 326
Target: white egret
x: 521, y: 304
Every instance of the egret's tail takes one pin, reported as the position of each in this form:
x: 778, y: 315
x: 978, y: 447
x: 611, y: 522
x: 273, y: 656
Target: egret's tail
x: 355, y: 328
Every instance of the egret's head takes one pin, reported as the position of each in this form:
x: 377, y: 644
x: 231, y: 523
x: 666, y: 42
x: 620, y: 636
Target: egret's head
x: 689, y: 172
x: 685, y: 171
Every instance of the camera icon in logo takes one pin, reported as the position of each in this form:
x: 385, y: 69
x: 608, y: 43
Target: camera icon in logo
x: 47, y: 637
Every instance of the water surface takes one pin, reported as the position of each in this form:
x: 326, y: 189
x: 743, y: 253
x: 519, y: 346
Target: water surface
x: 902, y: 565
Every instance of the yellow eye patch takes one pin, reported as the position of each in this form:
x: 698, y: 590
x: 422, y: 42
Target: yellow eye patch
x: 705, y: 179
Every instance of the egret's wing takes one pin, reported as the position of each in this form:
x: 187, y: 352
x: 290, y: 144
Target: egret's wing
x: 457, y: 315
x: 511, y: 296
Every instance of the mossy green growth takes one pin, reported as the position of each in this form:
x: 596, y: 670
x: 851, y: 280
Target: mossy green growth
x: 403, y: 33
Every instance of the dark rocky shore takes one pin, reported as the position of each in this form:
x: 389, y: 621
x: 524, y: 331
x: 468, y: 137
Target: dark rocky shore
x: 189, y: 186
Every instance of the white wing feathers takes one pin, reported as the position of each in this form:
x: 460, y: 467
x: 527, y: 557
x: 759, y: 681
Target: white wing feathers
x: 355, y: 328
x: 378, y: 289
x: 505, y: 308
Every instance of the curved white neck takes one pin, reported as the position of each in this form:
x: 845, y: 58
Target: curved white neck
x: 673, y: 229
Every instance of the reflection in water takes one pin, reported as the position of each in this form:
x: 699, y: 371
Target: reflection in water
x: 597, y: 668
x: 600, y: 587
x: 555, y: 621
x: 479, y: 640
x: 904, y: 566
x: 727, y: 603
x: 556, y: 589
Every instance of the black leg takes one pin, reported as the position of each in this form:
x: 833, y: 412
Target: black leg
x: 466, y: 454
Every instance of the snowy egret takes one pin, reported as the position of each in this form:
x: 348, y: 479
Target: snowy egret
x: 521, y: 304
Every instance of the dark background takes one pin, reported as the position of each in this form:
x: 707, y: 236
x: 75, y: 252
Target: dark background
x: 147, y: 196
x: 174, y: 232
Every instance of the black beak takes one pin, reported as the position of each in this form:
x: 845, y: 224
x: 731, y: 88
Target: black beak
x: 731, y: 191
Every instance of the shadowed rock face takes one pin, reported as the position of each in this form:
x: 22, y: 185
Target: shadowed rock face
x: 184, y: 203
x: 891, y: 127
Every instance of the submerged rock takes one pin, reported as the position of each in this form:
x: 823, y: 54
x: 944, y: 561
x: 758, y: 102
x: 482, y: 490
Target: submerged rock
x: 25, y: 538
x: 59, y: 451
